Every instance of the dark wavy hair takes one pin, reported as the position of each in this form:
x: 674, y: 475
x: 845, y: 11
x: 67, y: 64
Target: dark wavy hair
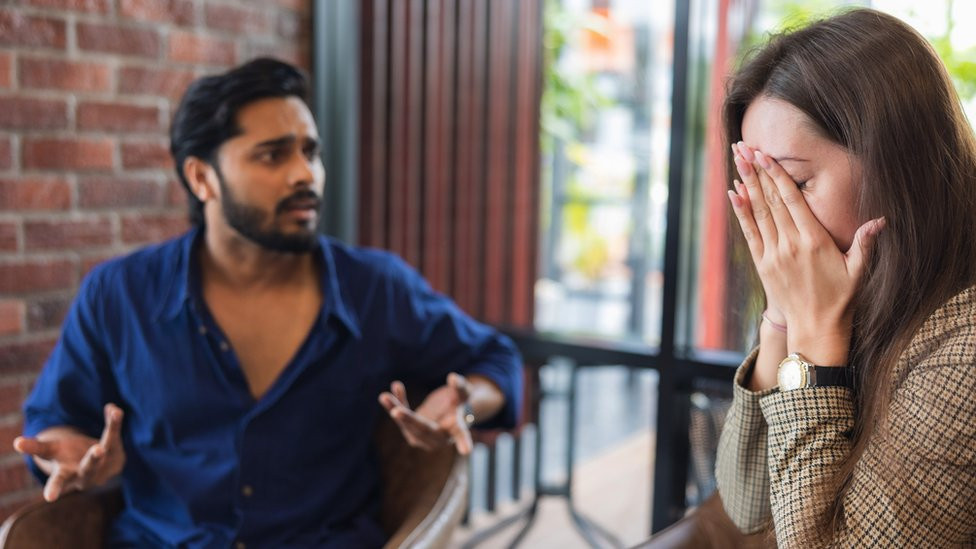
x: 873, y: 85
x: 207, y: 115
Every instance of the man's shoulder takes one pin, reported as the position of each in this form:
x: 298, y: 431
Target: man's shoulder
x: 147, y: 265
x: 352, y: 260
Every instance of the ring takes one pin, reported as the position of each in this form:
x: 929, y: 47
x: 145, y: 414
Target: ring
x: 450, y: 441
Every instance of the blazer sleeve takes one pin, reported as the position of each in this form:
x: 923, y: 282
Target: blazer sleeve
x: 741, y: 471
x: 916, y: 483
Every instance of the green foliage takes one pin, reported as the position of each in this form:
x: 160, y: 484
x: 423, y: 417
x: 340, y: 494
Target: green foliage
x: 569, y: 98
x: 961, y: 64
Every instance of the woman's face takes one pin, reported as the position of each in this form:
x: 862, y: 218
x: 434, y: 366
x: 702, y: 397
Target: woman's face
x: 825, y: 171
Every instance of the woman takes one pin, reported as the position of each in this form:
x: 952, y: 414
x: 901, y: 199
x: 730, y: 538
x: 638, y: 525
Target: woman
x: 854, y: 421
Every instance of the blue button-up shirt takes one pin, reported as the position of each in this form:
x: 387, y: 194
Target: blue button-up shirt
x: 207, y: 464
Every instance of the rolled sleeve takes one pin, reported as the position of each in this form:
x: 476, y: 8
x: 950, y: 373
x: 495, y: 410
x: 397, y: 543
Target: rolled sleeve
x: 433, y: 337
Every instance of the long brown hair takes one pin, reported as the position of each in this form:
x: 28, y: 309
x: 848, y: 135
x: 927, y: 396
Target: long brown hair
x: 873, y: 85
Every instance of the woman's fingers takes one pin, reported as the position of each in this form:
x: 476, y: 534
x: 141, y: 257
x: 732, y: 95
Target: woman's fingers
x: 743, y: 159
x: 772, y: 193
x: 740, y: 207
x: 862, y: 246
x: 789, y: 195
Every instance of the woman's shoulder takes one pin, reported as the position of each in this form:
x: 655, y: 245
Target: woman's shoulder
x: 949, y: 333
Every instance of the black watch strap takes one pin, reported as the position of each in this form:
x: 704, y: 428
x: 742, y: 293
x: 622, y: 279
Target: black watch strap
x: 833, y: 376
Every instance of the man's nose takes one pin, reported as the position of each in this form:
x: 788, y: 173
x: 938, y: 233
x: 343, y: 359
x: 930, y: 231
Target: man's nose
x: 302, y: 171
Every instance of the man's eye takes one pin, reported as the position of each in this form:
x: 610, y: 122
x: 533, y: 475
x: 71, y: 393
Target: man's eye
x: 311, y: 151
x: 270, y: 156
x: 802, y: 185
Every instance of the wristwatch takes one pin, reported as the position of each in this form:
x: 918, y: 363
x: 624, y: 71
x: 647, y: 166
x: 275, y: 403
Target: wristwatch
x: 795, y: 372
x: 468, y: 414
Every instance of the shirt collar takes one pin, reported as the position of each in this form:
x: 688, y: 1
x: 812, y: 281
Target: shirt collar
x: 184, y: 279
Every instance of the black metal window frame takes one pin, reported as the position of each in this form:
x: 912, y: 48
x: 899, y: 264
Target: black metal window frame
x: 680, y: 367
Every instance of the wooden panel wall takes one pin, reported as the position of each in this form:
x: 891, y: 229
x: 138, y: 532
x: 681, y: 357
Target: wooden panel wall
x: 449, y: 148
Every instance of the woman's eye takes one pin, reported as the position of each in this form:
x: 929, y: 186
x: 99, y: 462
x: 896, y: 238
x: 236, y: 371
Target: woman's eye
x: 802, y: 185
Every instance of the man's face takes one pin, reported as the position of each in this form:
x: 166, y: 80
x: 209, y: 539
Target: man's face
x: 271, y: 177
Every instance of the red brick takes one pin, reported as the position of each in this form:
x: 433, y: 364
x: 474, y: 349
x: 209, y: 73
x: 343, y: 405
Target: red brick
x: 292, y: 26
x: 92, y: 6
x: 11, y: 316
x: 146, y: 154
x: 14, y: 476
x: 21, y: 113
x: 64, y: 75
x: 138, y: 229
x: 161, y: 82
x: 237, y: 19
x: 301, y: 6
x: 176, y: 194
x: 11, y: 396
x: 119, y: 192
x: 47, y: 313
x: 68, y: 154
x: 67, y: 235
x: 89, y: 262
x: 36, y: 275
x: 118, y: 117
x: 8, y: 236
x: 6, y: 154
x: 162, y: 11
x: 188, y: 47
x: 34, y: 193
x: 120, y: 40
x: 25, y: 356
x: 6, y: 70
x: 17, y: 29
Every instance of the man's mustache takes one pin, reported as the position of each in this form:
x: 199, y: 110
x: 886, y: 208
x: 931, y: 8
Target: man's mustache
x: 301, y: 199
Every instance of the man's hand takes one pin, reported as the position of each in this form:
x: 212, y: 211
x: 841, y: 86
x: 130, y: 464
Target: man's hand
x: 74, y: 461
x: 437, y: 421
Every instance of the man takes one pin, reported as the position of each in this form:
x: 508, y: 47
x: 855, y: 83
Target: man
x: 231, y: 375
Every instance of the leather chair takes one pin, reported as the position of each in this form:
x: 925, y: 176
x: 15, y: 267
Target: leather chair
x: 425, y: 494
x: 707, y: 527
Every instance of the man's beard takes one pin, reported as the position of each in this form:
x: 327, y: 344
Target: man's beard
x: 248, y: 220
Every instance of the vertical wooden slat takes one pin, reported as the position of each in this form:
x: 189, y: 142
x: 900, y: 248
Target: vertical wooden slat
x: 525, y: 191
x: 498, y: 144
x: 397, y: 92
x: 412, y: 197
x: 472, y: 48
x: 374, y: 161
x: 438, y: 74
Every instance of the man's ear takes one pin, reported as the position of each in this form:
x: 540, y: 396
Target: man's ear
x: 201, y: 177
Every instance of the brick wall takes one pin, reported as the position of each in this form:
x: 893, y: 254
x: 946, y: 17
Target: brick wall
x: 87, y: 89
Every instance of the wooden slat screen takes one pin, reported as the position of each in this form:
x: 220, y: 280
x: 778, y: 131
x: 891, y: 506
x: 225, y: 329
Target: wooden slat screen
x: 449, y: 146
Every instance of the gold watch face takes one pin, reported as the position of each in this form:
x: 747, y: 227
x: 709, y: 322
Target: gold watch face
x: 792, y: 374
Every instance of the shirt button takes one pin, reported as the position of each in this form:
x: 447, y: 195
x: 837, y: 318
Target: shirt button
x: 240, y: 545
x: 224, y: 346
x: 247, y: 490
x: 203, y: 330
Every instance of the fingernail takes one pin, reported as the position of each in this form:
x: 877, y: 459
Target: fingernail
x: 734, y: 199
x: 745, y: 151
x: 741, y: 164
x: 763, y: 160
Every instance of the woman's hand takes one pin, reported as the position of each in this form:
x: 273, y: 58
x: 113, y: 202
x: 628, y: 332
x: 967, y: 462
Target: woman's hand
x: 802, y: 270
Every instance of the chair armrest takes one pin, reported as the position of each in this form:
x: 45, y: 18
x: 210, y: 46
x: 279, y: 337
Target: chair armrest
x: 707, y: 527
x: 424, y: 493
x: 79, y: 520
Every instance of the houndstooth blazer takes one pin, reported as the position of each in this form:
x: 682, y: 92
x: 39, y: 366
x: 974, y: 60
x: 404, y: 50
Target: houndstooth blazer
x: 779, y: 449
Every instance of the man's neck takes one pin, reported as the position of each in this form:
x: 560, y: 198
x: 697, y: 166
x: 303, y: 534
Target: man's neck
x: 230, y: 260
